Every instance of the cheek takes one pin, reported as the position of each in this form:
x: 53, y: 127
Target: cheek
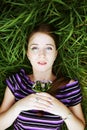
x: 31, y: 58
x: 51, y: 60
x: 53, y: 57
x: 29, y: 54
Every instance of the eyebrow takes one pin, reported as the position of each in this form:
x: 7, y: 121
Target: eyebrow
x: 46, y: 44
x: 34, y: 44
x: 50, y: 45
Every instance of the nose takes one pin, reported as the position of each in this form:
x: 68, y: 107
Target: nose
x: 42, y: 53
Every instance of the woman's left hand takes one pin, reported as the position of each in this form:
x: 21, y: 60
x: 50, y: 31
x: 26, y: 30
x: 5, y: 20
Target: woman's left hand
x: 56, y: 107
x: 48, y: 103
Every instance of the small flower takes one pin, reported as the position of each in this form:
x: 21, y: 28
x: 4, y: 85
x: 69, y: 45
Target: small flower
x: 41, y: 86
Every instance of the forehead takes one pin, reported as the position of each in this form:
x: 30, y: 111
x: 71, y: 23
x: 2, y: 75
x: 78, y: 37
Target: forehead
x: 40, y: 37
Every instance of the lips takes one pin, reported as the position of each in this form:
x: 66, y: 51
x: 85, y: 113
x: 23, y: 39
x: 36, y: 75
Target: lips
x: 42, y: 63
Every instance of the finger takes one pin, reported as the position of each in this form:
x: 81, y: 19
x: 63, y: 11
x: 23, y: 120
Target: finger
x: 43, y: 101
x: 42, y: 106
x: 45, y: 95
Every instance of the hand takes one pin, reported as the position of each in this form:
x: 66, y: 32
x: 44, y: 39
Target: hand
x: 56, y: 107
x: 34, y: 102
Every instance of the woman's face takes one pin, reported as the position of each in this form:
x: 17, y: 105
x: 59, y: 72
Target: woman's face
x: 41, y: 51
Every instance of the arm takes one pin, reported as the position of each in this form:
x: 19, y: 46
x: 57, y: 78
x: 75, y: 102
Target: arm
x: 46, y: 103
x: 73, y: 116
x: 77, y: 111
x: 76, y: 119
x: 8, y: 112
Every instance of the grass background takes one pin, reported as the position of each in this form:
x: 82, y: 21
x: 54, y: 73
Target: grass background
x: 17, y: 19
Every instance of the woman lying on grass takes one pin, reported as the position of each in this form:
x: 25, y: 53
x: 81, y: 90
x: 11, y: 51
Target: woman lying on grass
x: 41, y: 101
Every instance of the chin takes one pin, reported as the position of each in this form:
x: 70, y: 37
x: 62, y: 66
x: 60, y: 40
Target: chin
x: 40, y: 69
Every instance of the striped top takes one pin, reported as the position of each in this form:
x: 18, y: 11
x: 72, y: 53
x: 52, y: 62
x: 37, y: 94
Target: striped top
x: 21, y: 86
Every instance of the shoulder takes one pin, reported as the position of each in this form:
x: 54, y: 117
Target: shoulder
x: 72, y: 86
x: 71, y: 93
x: 15, y: 78
x: 72, y: 83
x: 71, y: 89
x: 14, y: 75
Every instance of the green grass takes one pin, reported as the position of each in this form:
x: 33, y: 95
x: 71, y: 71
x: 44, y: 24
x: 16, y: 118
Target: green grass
x: 17, y: 20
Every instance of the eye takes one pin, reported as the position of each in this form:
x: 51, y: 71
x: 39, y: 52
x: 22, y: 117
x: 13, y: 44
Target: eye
x: 34, y: 48
x: 49, y: 48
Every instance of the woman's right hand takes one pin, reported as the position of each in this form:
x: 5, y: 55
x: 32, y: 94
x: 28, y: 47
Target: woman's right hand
x: 33, y: 102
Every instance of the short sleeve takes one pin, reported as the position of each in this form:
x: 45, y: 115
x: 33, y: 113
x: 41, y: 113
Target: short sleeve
x: 70, y: 94
x: 75, y: 94
x: 19, y: 84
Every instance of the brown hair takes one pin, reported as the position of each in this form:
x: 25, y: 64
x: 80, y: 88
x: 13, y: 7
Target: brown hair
x: 47, y: 29
x: 57, y: 84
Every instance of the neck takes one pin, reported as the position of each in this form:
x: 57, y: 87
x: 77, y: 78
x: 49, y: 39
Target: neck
x: 43, y: 76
